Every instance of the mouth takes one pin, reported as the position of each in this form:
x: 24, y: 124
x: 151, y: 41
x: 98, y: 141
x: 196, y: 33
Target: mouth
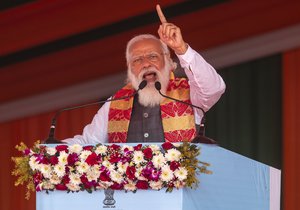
x: 150, y: 76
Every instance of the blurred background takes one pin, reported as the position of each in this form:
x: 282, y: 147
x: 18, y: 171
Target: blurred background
x: 60, y: 53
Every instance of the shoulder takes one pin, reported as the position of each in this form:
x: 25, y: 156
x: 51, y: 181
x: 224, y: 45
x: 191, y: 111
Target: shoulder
x: 178, y: 83
x: 124, y: 91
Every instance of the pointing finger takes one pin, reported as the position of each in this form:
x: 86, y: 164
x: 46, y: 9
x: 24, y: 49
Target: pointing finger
x: 161, y: 14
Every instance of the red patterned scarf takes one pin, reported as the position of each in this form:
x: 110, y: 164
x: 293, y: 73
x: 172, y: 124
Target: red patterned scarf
x: 177, y: 118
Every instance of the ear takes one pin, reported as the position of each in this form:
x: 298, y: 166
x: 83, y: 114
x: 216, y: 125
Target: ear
x: 173, y: 63
x: 169, y: 56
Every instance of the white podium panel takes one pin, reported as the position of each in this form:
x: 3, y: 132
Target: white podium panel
x: 237, y: 183
x: 141, y: 200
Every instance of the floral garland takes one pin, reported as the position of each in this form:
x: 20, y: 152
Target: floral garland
x: 76, y: 168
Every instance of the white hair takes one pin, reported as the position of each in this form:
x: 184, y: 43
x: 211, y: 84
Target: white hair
x: 141, y: 37
x: 149, y: 96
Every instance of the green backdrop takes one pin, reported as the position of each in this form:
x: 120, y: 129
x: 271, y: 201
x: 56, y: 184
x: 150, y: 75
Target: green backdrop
x: 247, y: 119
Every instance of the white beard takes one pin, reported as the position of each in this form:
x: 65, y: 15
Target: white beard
x: 149, y: 96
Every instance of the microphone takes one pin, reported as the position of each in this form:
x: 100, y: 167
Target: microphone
x: 201, y: 138
x: 51, y: 139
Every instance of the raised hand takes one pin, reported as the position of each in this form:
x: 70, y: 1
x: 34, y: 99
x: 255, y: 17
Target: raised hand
x: 170, y: 34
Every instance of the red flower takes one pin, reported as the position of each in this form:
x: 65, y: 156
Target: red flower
x: 115, y: 147
x: 72, y: 159
x: 130, y: 172
x: 117, y: 186
x: 88, y: 148
x: 115, y: 158
x: 61, y: 187
x: 174, y: 165
x: 26, y: 152
x: 155, y: 175
x: 137, y: 147
x: 53, y: 160
x: 142, y: 185
x: 65, y: 180
x: 167, y: 145
x: 86, y: 183
x: 104, y: 176
x: 38, y: 188
x: 171, y: 185
x: 44, y: 160
x: 37, y: 178
x: 92, y: 159
x: 61, y: 148
x: 148, y: 153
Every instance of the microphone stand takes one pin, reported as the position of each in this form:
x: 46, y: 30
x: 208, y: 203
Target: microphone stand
x: 52, y: 140
x: 200, y: 138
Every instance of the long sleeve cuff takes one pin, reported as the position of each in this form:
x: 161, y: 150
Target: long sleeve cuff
x: 186, y: 59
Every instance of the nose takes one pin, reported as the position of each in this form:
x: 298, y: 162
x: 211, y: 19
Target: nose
x: 146, y: 63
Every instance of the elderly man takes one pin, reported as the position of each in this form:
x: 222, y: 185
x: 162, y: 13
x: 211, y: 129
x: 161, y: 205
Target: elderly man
x: 148, y: 116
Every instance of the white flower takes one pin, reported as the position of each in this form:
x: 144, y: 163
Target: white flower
x: 176, y: 144
x: 115, y: 176
x: 47, y: 185
x: 75, y: 179
x: 173, y: 155
x: 158, y: 161
x: 82, y: 167
x: 73, y: 187
x: 138, y: 174
x: 75, y: 148
x: 92, y: 175
x: 84, y: 154
x: 46, y: 170
x: 181, y: 173
x: 51, y: 150
x: 166, y: 174
x: 63, y: 158
x: 33, y: 164
x: 138, y: 157
x: 156, y: 185
x: 155, y: 148
x: 108, y: 165
x: 179, y: 184
x: 130, y: 186
x: 130, y: 148
x: 101, y: 150
x: 122, y: 167
x: 104, y: 185
x: 95, y: 168
x: 55, y: 179
x: 60, y: 170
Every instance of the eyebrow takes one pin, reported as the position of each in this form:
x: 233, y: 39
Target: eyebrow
x: 141, y: 54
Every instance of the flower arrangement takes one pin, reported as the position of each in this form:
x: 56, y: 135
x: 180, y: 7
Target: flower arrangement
x: 76, y: 168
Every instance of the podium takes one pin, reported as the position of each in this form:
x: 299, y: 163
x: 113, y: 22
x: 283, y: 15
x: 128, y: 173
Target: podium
x: 236, y: 183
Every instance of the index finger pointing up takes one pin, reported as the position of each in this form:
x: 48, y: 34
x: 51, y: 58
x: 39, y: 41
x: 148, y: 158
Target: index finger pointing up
x: 160, y: 14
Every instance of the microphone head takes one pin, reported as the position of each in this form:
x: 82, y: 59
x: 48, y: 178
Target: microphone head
x: 157, y: 85
x: 143, y: 84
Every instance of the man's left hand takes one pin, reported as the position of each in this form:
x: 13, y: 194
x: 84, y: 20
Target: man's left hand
x: 170, y: 34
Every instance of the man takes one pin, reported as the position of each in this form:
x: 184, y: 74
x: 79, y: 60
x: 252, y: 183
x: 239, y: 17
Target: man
x: 148, y: 116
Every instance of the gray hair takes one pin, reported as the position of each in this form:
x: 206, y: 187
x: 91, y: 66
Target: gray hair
x: 137, y: 38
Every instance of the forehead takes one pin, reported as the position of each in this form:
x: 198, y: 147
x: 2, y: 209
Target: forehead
x: 144, y: 46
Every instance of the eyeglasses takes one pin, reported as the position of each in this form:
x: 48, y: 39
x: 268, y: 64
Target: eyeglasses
x: 152, y: 57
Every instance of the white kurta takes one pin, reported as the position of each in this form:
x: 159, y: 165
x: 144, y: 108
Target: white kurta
x: 206, y: 87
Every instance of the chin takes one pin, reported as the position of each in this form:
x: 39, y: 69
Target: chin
x: 151, y: 75
x: 149, y: 97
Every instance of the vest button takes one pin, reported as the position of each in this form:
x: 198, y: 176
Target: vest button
x: 146, y: 135
x: 146, y: 115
